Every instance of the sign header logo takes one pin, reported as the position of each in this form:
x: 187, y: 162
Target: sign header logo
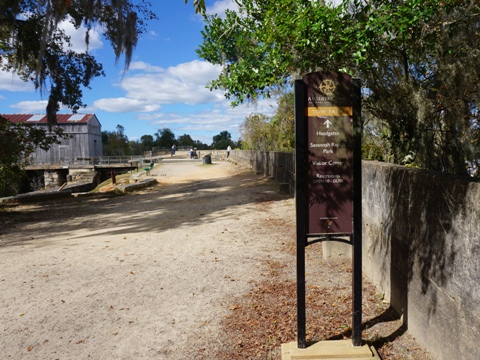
x: 327, y: 87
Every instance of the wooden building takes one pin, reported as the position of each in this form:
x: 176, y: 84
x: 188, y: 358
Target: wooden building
x: 84, y: 145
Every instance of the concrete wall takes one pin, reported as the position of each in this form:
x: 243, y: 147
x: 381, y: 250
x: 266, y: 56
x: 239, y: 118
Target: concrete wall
x: 421, y: 248
x: 276, y: 165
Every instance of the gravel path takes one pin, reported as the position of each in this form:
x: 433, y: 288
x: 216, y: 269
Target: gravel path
x: 146, y: 275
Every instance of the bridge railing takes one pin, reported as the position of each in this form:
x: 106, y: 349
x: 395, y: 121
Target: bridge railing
x: 108, y: 160
x: 95, y: 160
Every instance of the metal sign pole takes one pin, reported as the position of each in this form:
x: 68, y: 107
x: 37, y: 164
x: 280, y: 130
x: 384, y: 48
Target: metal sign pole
x: 357, y: 216
x: 300, y: 173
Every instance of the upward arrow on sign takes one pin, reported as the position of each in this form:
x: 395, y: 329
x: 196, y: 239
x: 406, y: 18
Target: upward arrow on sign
x: 327, y: 123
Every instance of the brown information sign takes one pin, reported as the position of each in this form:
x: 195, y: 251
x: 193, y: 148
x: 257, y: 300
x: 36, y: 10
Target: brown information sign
x: 329, y: 178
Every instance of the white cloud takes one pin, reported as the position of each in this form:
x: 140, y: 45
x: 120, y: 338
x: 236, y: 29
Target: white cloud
x: 117, y: 105
x: 334, y: 2
x: 220, y: 6
x: 11, y: 82
x: 152, y: 34
x: 195, y: 72
x: 78, y: 37
x: 141, y: 65
x: 151, y: 86
x: 30, y: 107
x: 39, y: 107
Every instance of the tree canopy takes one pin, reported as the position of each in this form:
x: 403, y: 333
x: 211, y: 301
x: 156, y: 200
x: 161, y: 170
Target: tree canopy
x: 164, y: 138
x: 222, y: 140
x: 185, y: 140
x: 33, y: 46
x: 275, y: 133
x: 115, y: 143
x: 418, y: 61
x: 18, y: 142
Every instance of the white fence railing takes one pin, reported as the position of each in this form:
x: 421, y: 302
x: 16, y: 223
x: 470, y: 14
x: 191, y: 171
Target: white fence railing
x: 98, y: 160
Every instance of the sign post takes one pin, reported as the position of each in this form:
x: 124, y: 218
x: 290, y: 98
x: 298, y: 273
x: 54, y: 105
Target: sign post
x: 328, y: 176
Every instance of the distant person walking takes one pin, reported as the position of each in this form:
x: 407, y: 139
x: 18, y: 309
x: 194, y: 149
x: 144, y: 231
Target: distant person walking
x: 173, y: 149
x: 229, y: 148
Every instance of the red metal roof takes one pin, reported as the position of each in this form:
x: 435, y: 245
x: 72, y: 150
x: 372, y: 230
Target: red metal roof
x: 42, y: 119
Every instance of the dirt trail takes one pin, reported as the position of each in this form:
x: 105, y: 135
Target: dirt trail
x: 141, y: 276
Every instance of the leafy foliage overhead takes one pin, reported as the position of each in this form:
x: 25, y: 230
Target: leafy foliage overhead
x: 199, y: 5
x: 419, y: 62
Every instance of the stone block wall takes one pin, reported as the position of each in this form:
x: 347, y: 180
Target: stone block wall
x: 279, y: 166
x: 53, y: 179
x: 421, y: 247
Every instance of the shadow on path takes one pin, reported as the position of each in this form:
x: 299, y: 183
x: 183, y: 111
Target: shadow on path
x: 155, y: 209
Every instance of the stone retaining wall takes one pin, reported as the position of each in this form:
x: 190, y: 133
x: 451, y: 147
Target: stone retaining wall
x: 421, y: 233
x: 279, y: 166
x: 421, y: 247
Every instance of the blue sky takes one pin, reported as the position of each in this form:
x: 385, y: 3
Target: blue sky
x: 163, y: 88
